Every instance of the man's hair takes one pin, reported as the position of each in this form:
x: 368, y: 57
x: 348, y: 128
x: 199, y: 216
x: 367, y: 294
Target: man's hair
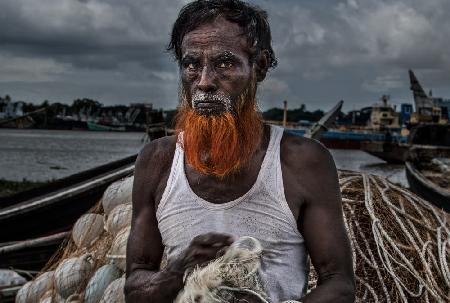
x: 252, y: 19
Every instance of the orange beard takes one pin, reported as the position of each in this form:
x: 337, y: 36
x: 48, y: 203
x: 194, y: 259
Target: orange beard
x: 221, y: 144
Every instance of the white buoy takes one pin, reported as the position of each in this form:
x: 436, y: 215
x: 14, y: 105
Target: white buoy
x: 117, y: 193
x: 117, y: 253
x: 24, y: 293
x: 10, y: 278
x: 100, y: 281
x: 72, y: 275
x: 41, y: 285
x: 114, y: 292
x: 119, y: 218
x: 87, y: 229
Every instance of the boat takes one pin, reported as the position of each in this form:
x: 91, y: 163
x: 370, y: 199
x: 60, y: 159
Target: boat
x: 383, y: 115
x: 428, y: 173
x: 34, y: 223
x: 391, y: 152
x: 384, y: 118
x: 100, y: 127
x: 351, y: 139
x: 55, y: 207
x: 30, y: 255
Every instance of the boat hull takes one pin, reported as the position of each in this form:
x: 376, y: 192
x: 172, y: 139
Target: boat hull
x: 425, y: 190
x: 105, y: 128
x: 419, y: 156
x: 337, y: 139
x: 391, y: 152
x: 57, y: 209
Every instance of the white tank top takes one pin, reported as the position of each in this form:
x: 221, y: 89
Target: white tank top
x: 262, y: 213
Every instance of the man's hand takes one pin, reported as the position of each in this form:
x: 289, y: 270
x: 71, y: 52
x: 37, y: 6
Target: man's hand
x: 203, y: 249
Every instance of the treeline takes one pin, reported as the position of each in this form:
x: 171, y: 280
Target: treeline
x: 273, y: 114
x: 293, y: 115
x: 58, y: 107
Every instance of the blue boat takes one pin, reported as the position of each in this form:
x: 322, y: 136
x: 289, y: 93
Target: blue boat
x: 349, y: 139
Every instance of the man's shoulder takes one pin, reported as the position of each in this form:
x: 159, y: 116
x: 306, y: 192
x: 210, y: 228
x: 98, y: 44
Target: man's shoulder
x: 298, y: 151
x: 157, y: 153
x: 311, y: 170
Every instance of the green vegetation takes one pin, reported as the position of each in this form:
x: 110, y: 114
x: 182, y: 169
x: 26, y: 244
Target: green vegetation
x: 293, y: 115
x: 11, y: 187
x: 87, y: 106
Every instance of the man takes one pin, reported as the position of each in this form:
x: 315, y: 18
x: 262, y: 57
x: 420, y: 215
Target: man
x: 228, y: 175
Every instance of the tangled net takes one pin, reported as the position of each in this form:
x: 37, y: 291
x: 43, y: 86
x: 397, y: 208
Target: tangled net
x: 400, y: 242
x: 400, y: 245
x: 235, y: 272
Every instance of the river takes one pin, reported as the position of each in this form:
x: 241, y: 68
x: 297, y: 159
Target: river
x: 42, y: 155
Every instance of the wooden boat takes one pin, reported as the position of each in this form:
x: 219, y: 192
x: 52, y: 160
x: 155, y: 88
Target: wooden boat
x: 33, y: 224
x: 430, y: 134
x: 391, y: 152
x: 428, y: 173
x: 32, y: 254
x: 395, y: 151
x: 55, y: 207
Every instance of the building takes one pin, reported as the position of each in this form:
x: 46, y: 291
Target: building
x: 383, y: 115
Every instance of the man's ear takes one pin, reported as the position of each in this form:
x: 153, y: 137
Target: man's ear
x: 262, y: 65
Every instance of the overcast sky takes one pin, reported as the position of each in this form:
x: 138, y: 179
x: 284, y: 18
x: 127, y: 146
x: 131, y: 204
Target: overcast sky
x: 114, y: 51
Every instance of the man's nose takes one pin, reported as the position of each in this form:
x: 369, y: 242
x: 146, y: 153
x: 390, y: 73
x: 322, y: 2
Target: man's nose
x: 206, y: 82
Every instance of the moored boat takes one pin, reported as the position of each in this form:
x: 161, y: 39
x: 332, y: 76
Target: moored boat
x: 351, y: 139
x: 428, y: 173
x: 55, y: 207
x: 100, y: 127
x: 391, y: 152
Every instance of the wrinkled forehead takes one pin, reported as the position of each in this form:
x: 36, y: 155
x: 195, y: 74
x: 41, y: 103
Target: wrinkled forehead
x: 217, y: 36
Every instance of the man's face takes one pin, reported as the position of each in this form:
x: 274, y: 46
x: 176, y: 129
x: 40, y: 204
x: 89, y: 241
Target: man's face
x: 215, y: 67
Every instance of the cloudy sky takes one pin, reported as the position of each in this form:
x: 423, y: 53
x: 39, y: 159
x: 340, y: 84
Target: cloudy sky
x: 114, y: 51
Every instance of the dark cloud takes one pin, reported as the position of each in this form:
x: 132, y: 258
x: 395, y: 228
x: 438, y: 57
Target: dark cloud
x: 114, y: 50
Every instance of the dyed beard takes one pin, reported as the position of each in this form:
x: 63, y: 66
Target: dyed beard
x: 220, y: 145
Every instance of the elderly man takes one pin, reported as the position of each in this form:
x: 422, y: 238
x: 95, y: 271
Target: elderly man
x: 228, y: 175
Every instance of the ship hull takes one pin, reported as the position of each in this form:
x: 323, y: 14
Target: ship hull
x: 391, y: 152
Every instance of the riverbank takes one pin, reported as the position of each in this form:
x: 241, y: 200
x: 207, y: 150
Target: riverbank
x: 11, y: 187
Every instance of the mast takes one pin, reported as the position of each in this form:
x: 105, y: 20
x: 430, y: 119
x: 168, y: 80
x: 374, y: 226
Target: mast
x: 421, y: 99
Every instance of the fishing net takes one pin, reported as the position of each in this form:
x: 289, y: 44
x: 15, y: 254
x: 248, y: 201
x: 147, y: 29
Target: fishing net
x: 400, y: 245
x: 235, y: 272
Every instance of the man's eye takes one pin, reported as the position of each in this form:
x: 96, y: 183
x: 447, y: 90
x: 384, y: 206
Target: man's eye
x: 190, y: 66
x: 225, y: 65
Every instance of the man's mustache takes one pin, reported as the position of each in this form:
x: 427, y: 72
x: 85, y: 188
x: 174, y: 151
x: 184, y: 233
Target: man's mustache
x: 203, y: 97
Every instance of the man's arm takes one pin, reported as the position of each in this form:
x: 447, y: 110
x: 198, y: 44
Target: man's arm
x: 322, y: 226
x: 145, y: 283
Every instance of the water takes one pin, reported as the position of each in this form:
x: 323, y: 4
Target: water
x: 41, y: 155
x: 358, y: 160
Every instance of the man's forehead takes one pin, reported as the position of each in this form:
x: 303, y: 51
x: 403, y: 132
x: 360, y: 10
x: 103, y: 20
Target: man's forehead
x: 219, y: 35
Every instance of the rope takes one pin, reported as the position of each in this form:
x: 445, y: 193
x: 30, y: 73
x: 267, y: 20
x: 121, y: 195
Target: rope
x: 400, y: 243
